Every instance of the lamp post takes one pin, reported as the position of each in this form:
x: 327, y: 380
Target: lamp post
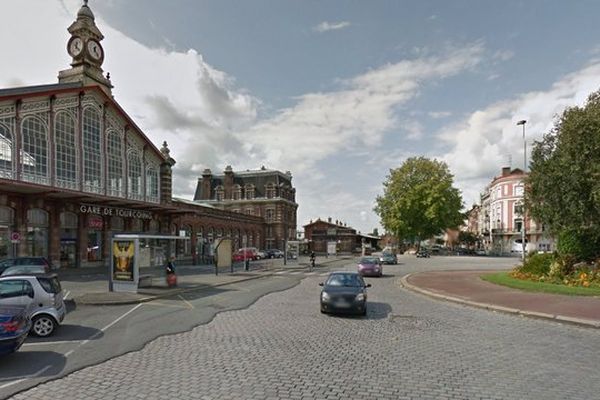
x: 522, y: 123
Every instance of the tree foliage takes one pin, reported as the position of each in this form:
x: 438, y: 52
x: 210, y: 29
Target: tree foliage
x: 563, y: 188
x: 467, y: 238
x: 419, y: 200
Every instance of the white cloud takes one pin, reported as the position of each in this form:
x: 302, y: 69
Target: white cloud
x: 439, y: 114
x: 330, y: 26
x: 483, y: 141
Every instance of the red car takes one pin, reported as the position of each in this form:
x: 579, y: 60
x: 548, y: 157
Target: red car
x: 370, y: 266
x: 246, y: 253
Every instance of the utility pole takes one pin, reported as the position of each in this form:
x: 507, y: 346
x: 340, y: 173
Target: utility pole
x: 523, y: 236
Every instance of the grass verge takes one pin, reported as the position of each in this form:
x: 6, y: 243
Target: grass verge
x: 502, y: 278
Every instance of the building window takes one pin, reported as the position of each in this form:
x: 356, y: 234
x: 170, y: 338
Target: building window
x: 237, y: 192
x: 7, y: 216
x: 65, y: 151
x: 220, y: 193
x: 519, y: 190
x: 37, y: 233
x: 34, y: 154
x: 248, y: 211
x: 6, y: 152
x: 518, y: 224
x: 114, y: 149
x: 92, y: 151
x: 270, y: 190
x: 117, y: 224
x: 249, y: 189
x: 134, y: 176
x: 152, y: 185
x: 269, y: 214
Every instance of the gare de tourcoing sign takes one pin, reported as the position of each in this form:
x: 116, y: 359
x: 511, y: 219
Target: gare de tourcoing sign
x: 114, y: 212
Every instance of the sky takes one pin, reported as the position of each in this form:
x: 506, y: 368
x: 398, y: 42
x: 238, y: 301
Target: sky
x: 337, y: 92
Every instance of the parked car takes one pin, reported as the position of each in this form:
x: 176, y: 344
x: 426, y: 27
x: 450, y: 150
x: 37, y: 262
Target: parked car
x: 40, y: 262
x: 41, y: 294
x: 262, y: 254
x: 246, y: 253
x: 422, y: 253
x: 25, y: 270
x: 274, y: 253
x: 14, y: 328
x: 344, y: 292
x: 370, y: 266
x: 388, y: 258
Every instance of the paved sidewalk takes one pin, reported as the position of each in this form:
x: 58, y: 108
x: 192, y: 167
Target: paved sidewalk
x: 89, y: 286
x: 468, y: 288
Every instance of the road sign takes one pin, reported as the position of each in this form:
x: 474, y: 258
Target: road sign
x: 15, y: 237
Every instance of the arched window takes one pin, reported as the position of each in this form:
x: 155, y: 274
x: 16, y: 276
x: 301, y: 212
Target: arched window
x: 92, y: 151
x: 114, y: 149
x: 34, y: 153
x: 7, y: 220
x: 6, y: 153
x: 134, y: 176
x: 152, y: 185
x: 65, y: 151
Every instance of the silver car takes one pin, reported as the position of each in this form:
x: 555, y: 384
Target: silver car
x: 42, y: 294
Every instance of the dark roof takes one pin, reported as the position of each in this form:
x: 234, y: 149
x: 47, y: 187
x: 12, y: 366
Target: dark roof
x: 258, y: 178
x: 39, y: 89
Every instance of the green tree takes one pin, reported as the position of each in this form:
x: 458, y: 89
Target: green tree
x: 419, y: 200
x: 467, y: 238
x: 563, y: 187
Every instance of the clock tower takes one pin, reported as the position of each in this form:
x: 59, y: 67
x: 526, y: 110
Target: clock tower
x: 87, y: 53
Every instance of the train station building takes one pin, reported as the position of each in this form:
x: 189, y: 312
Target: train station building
x: 75, y: 169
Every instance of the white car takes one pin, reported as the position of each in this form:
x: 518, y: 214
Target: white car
x: 41, y: 294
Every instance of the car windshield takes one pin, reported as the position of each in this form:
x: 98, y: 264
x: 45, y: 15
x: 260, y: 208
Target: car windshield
x: 347, y: 280
x: 369, y: 260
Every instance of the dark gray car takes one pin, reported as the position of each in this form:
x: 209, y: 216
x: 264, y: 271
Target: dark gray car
x: 344, y: 292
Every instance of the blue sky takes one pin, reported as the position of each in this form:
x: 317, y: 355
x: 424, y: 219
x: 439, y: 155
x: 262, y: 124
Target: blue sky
x: 337, y: 92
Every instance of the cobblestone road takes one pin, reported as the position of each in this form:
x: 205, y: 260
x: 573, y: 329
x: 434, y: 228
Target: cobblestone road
x: 409, y: 347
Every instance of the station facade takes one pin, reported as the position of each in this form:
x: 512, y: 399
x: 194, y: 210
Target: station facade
x: 75, y: 169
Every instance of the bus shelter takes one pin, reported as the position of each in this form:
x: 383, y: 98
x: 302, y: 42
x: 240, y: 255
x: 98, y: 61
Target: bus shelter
x: 131, y: 252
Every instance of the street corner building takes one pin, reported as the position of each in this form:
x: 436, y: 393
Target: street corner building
x: 75, y: 170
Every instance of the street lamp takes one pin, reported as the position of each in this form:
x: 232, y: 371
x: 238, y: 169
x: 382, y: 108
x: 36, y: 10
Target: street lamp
x: 523, y: 122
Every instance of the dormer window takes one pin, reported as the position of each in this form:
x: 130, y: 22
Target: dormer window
x: 236, y: 194
x: 271, y: 190
x: 220, y: 193
x: 249, y: 189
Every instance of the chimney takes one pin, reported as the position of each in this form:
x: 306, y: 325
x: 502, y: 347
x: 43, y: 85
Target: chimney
x: 206, y: 184
x: 329, y: 219
x: 505, y: 171
x: 228, y: 182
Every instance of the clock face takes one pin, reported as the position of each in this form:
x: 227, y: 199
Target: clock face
x: 75, y: 46
x: 94, y: 49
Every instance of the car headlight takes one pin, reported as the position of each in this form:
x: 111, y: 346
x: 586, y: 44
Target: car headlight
x: 360, y: 297
x: 324, y: 296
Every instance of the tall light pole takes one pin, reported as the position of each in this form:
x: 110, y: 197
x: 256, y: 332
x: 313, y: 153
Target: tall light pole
x: 523, y: 122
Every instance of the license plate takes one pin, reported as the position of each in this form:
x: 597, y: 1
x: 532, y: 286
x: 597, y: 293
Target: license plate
x: 342, y: 304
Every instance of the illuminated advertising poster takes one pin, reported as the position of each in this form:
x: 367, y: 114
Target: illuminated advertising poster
x: 123, y: 259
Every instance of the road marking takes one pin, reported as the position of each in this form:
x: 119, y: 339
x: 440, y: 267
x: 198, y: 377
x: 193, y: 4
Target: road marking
x: 295, y: 272
x: 66, y: 295
x: 190, y: 306
x: 41, y: 371
x: 52, y: 343
x: 158, y: 303
x: 280, y: 272
x: 101, y: 331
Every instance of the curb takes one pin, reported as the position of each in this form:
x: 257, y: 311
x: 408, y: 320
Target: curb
x: 506, y: 310
x: 162, y: 295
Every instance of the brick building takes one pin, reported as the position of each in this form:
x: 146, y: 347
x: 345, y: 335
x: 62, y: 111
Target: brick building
x: 264, y: 193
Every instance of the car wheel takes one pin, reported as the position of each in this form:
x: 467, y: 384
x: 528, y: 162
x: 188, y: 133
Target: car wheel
x: 43, y: 325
